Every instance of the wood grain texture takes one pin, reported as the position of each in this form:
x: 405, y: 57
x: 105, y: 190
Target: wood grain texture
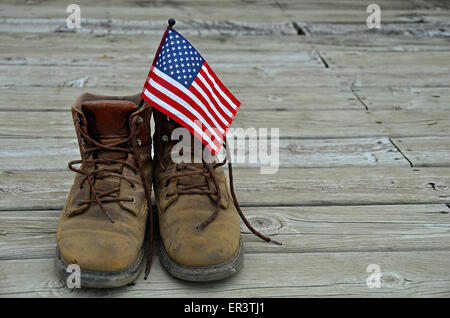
x: 284, y: 275
x: 256, y: 75
x: 405, y: 98
x: 296, y: 124
x: 31, y: 234
x: 254, y: 99
x: 425, y: 151
x: 134, y: 76
x: 364, y: 172
x: 37, y: 190
x: 21, y: 154
x: 145, y: 44
x: 310, y: 11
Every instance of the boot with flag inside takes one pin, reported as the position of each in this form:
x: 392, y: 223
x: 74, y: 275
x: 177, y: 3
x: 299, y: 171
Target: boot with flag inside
x: 198, y: 212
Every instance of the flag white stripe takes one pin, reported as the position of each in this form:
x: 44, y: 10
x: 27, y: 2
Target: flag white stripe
x: 181, y: 116
x: 176, y: 98
x: 193, y: 97
x: 205, y: 69
x: 224, y: 108
x: 199, y: 89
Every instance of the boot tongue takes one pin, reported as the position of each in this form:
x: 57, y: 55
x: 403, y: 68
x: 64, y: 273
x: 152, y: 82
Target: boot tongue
x: 108, y: 122
x: 108, y: 119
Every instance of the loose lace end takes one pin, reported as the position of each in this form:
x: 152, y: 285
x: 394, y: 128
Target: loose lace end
x: 109, y: 216
x: 276, y: 242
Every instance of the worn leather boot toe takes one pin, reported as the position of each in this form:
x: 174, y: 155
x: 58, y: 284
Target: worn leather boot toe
x: 103, y: 223
x: 198, y: 213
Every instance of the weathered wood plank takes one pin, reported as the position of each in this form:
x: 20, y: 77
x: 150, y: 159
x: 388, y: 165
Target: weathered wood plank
x: 418, y: 29
x: 331, y: 12
x: 425, y: 151
x: 195, y: 26
x: 156, y: 26
x: 42, y: 190
x: 53, y: 154
x: 147, y: 44
x: 403, y: 274
x: 282, y: 4
x: 399, y: 58
x: 393, y: 75
x: 311, y: 11
x: 31, y: 234
x: 374, y: 42
x: 405, y: 98
x: 294, y: 124
x: 256, y: 75
x: 312, y: 98
x: 143, y: 56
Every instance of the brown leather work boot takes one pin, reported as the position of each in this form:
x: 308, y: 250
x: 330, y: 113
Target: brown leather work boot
x: 198, y: 213
x: 103, y: 223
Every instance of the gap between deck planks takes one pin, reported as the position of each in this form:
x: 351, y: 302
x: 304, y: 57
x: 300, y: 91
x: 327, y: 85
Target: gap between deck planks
x: 297, y: 275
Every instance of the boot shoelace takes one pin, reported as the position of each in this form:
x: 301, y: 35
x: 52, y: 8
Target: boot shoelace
x: 126, y: 145
x: 207, y: 170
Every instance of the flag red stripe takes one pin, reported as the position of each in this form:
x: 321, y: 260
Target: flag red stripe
x: 211, y: 98
x: 190, y: 98
x: 179, y: 120
x: 224, y: 89
x: 182, y: 109
x: 217, y: 93
x: 187, y: 99
x: 199, y: 93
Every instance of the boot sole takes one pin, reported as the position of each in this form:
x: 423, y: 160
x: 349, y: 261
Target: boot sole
x: 93, y: 279
x: 202, y: 273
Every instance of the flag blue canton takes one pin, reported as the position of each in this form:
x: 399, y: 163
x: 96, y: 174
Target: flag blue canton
x: 178, y: 59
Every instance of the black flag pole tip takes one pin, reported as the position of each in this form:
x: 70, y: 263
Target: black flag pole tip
x: 171, y: 22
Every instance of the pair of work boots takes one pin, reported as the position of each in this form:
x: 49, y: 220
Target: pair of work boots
x: 109, y: 207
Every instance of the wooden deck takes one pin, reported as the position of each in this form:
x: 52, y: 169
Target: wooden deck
x: 364, y: 119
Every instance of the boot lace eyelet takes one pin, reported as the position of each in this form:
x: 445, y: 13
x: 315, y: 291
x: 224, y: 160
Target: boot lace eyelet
x: 133, y: 200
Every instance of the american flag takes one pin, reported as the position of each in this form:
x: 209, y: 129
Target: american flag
x: 181, y: 85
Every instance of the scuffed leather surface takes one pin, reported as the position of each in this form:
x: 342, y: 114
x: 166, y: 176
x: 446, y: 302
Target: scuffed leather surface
x: 84, y: 235
x: 179, y: 215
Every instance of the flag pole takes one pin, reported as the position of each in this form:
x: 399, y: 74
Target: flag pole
x: 171, y: 23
